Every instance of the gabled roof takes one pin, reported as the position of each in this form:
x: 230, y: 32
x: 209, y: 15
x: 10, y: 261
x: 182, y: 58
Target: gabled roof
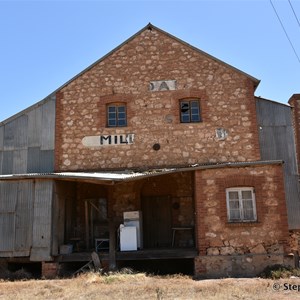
x: 271, y: 101
x: 51, y: 97
x: 147, y: 27
x: 152, y: 27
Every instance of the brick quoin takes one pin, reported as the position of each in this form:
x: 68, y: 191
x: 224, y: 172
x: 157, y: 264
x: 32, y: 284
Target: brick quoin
x: 58, y: 131
x: 295, y: 104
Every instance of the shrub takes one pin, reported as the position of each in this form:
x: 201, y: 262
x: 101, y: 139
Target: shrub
x: 20, y: 274
x: 279, y: 271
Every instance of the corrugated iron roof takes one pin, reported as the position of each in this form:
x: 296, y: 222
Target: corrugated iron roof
x: 111, y: 177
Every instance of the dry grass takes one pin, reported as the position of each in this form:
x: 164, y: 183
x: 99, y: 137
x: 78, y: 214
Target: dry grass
x: 140, y: 286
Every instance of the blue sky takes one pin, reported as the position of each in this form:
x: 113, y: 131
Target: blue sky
x: 46, y: 43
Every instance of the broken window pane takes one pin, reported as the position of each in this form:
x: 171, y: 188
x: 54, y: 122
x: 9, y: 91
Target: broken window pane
x: 190, y: 111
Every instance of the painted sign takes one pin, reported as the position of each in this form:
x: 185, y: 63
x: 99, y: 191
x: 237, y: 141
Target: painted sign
x: 162, y: 85
x: 108, y: 140
x: 221, y: 134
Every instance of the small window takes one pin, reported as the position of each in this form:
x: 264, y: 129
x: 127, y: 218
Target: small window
x: 116, y: 115
x: 189, y: 111
x: 241, y: 205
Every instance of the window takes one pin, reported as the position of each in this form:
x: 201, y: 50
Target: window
x: 116, y: 115
x: 241, y: 205
x: 189, y: 111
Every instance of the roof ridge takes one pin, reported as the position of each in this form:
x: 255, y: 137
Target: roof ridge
x: 150, y: 26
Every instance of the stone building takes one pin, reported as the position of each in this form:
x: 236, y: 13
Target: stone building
x: 161, y: 127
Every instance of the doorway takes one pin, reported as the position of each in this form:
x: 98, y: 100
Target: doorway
x: 157, y: 221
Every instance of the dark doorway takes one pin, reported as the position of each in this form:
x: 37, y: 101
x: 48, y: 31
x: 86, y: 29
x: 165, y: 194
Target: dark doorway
x: 157, y: 221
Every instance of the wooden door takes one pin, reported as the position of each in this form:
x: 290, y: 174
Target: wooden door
x: 157, y: 221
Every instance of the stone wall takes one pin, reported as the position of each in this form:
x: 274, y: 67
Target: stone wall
x: 179, y: 187
x: 129, y: 197
x: 125, y: 75
x: 295, y: 104
x: 294, y: 246
x: 223, y: 244
x: 247, y: 265
x: 294, y: 241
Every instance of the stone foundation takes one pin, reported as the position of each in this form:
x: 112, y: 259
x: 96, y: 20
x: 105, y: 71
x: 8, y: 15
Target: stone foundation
x: 249, y: 265
x: 293, y: 246
x: 294, y: 241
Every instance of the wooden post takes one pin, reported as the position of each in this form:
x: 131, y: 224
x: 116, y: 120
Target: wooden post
x: 87, y: 229
x: 91, y: 223
x: 296, y: 258
x: 112, y: 245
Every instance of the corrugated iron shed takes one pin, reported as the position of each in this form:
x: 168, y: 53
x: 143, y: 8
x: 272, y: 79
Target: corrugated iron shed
x: 27, y: 140
x: 276, y: 138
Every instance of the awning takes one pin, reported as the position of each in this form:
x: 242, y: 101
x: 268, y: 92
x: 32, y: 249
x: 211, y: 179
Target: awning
x: 114, y: 177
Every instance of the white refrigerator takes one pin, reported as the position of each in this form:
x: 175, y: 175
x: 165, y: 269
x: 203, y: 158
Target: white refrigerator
x: 128, y: 238
x: 134, y: 219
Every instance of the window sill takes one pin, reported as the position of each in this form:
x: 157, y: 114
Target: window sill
x: 196, y: 122
x: 243, y: 224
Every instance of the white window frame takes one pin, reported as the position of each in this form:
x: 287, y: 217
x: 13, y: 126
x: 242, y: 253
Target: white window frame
x: 240, y: 199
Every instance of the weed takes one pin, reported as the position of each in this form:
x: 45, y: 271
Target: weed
x: 279, y: 271
x: 159, y: 293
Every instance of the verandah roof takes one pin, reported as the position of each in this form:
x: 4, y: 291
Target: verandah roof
x: 114, y: 177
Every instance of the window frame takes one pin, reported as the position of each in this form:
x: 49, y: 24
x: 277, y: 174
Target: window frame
x: 190, y: 114
x: 241, y: 200
x: 116, y: 105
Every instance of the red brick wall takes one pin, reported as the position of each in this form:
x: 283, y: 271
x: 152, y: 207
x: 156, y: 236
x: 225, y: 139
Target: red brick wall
x: 226, y: 98
x: 59, y: 137
x: 50, y: 270
x: 295, y: 103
